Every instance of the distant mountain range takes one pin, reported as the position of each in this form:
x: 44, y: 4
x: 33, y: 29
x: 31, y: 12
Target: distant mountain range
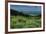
x: 15, y: 12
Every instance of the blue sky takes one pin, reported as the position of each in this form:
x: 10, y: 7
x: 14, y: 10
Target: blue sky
x: 26, y: 9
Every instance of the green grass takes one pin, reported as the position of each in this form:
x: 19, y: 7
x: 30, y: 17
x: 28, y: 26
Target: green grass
x: 25, y: 22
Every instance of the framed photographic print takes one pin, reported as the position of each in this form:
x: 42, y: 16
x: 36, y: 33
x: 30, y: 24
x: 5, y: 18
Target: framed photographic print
x: 25, y: 17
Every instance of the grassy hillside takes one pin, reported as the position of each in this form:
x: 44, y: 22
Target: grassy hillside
x: 20, y: 21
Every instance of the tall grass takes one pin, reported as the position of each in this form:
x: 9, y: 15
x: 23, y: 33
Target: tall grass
x: 25, y: 22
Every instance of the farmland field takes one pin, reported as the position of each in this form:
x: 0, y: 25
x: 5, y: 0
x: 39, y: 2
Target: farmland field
x: 19, y: 21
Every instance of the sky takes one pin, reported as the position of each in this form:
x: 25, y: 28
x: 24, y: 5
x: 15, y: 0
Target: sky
x: 26, y: 9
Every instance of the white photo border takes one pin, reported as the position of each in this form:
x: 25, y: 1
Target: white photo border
x: 24, y: 29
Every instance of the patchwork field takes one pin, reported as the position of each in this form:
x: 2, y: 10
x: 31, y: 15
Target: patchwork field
x: 25, y: 22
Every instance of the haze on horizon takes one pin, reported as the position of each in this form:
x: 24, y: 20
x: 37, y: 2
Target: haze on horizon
x: 31, y: 10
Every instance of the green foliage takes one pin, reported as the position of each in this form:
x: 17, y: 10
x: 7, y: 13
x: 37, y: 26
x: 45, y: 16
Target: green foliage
x: 25, y: 22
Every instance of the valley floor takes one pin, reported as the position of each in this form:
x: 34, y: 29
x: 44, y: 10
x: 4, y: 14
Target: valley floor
x: 25, y: 22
